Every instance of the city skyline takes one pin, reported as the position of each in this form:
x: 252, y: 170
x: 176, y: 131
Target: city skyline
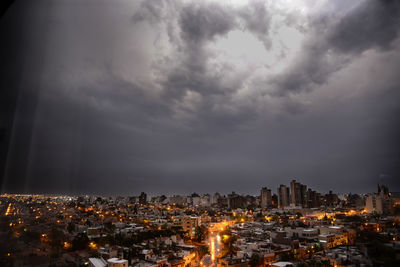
x: 182, y: 96
x: 298, y: 227
x: 274, y: 190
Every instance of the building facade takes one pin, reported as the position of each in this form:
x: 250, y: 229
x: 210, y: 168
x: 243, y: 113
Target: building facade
x: 283, y: 196
x: 266, y: 198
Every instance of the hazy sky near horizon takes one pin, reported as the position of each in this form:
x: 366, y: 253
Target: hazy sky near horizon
x: 179, y: 96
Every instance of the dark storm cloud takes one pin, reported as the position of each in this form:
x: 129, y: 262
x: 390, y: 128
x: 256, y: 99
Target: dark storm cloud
x: 373, y: 24
x: 136, y: 97
x: 149, y: 11
x: 257, y: 20
x: 334, y: 42
x: 204, y: 22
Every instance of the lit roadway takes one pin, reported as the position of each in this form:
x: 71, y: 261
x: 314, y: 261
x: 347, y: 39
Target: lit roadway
x: 214, y: 243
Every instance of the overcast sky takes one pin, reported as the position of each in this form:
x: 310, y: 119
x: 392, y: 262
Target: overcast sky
x: 119, y: 97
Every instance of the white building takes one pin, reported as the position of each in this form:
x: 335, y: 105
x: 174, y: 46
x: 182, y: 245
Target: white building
x: 377, y: 204
x: 97, y: 262
x: 115, y: 262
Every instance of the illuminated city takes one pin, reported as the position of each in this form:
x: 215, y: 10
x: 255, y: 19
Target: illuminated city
x: 200, y: 133
x: 201, y: 230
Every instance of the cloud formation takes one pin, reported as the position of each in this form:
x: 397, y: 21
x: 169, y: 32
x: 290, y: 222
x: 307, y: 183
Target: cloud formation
x: 179, y: 96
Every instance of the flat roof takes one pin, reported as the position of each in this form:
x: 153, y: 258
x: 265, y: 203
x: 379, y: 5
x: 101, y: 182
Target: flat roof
x: 116, y: 260
x: 282, y: 264
x: 97, y: 262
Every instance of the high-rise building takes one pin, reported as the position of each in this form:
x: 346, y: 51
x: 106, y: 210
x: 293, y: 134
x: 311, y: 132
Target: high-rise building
x: 266, y: 198
x: 143, y: 198
x: 189, y: 224
x: 298, y: 193
x: 214, y: 198
x: 222, y: 202
x: 378, y: 203
x: 205, y: 200
x: 177, y: 200
x: 331, y: 199
x: 236, y: 201
x: 304, y: 199
x: 313, y: 199
x: 274, y: 203
x: 383, y: 190
x: 283, y: 196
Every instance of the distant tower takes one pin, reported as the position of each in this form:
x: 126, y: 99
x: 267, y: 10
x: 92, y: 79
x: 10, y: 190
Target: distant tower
x: 143, y: 198
x: 383, y: 190
x: 298, y: 193
x: 283, y: 196
x: 214, y: 198
x: 266, y: 198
